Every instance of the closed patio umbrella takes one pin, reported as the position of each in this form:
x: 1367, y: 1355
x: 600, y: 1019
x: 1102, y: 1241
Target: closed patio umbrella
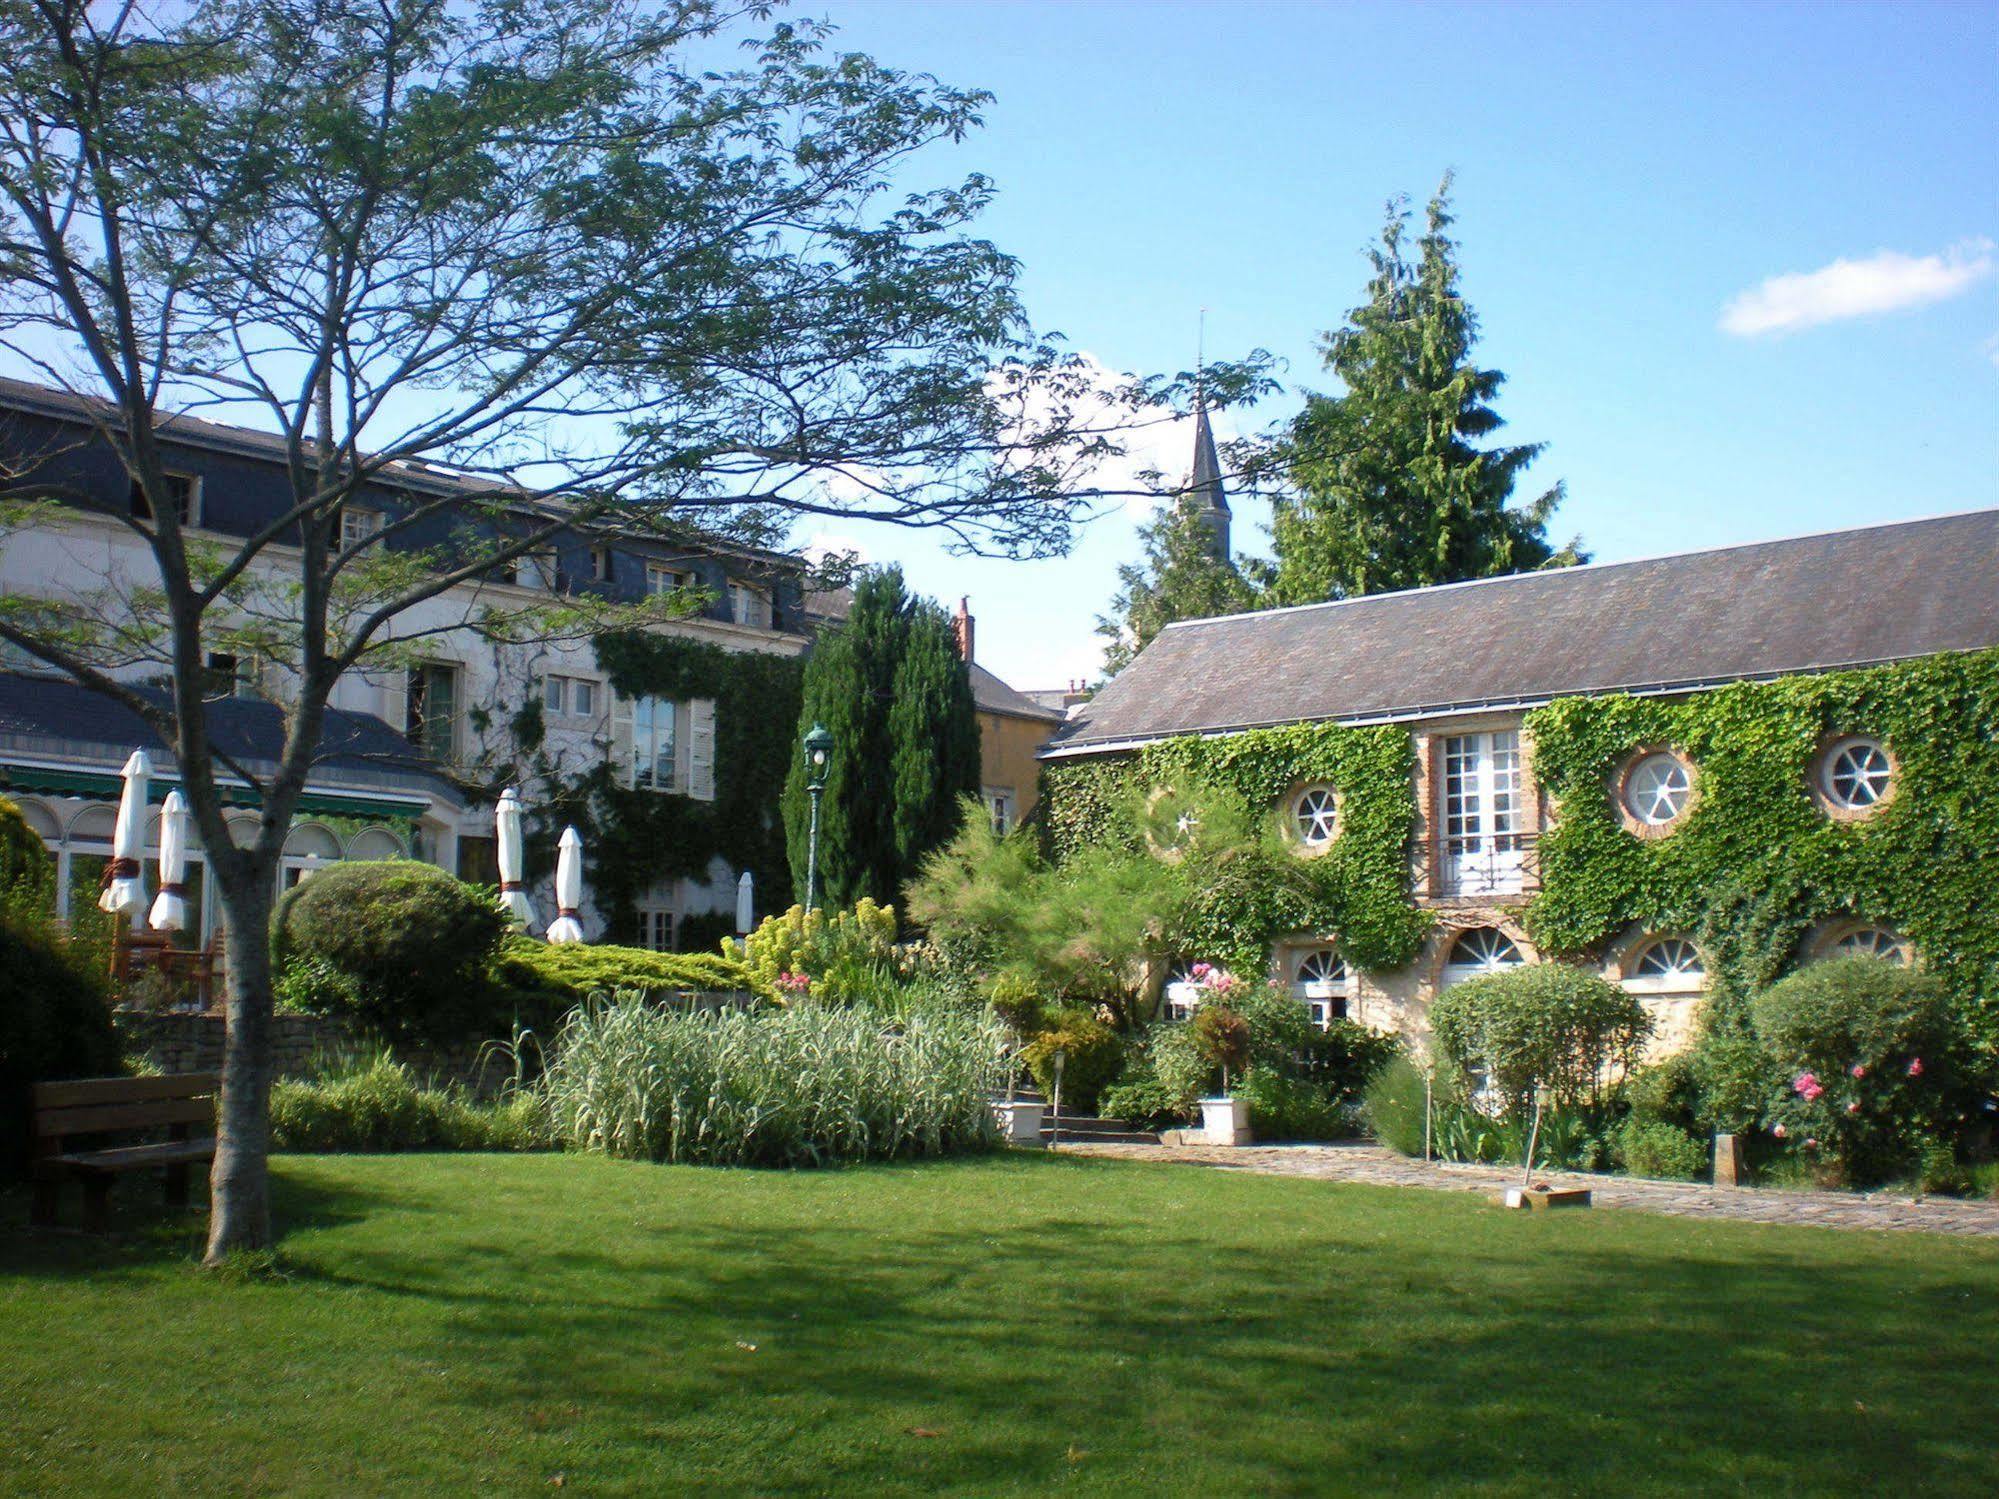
x: 746, y: 904
x: 507, y: 830
x: 124, y: 879
x: 169, y: 913
x: 568, y: 926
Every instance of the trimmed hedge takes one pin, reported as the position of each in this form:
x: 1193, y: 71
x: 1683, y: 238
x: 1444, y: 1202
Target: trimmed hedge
x: 542, y: 982
x: 55, y: 1022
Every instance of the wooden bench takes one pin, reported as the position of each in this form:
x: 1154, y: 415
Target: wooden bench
x: 114, y: 1106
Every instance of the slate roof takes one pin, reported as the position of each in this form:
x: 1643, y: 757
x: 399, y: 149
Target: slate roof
x: 994, y: 696
x: 56, y: 718
x: 1809, y: 603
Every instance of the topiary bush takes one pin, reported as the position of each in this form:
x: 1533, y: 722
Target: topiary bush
x: 805, y: 953
x: 1874, y: 1061
x: 55, y: 1023
x: 27, y: 871
x: 1544, y: 1023
x: 418, y: 944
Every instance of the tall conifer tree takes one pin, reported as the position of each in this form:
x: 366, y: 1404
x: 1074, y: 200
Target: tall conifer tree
x: 1180, y: 577
x: 888, y: 685
x: 933, y: 723
x: 1388, y: 484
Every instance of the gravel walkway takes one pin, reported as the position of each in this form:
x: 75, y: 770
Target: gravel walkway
x: 1376, y: 1166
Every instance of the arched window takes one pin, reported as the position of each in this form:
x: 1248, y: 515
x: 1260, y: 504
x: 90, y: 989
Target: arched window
x: 1323, y: 985
x: 1871, y: 941
x: 1480, y: 950
x: 1666, y: 965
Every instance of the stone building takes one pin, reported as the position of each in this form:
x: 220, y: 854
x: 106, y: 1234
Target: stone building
x: 1012, y: 730
x: 1459, y: 668
x: 411, y: 755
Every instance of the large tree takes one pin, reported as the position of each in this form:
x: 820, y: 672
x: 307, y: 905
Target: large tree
x: 609, y: 261
x: 890, y: 687
x: 1387, y: 484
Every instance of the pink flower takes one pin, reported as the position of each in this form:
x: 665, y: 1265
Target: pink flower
x: 1200, y: 972
x: 1811, y: 1144
x: 1860, y: 1069
x: 1807, y: 1085
x: 1916, y: 1067
x: 1779, y: 1131
x: 1854, y: 1107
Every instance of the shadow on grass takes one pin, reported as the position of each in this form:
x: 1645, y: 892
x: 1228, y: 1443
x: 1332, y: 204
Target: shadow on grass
x: 1276, y: 1337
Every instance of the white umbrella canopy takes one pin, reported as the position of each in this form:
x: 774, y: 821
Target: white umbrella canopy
x: 507, y: 829
x: 169, y: 913
x: 746, y: 905
x: 125, y: 883
x: 568, y: 925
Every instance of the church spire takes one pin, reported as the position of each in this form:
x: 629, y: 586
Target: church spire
x: 1205, y: 489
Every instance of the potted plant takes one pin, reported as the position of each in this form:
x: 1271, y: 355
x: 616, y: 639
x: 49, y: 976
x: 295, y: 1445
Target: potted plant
x: 1222, y: 1036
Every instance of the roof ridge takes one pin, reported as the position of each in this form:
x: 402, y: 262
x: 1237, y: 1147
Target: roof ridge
x: 1586, y: 567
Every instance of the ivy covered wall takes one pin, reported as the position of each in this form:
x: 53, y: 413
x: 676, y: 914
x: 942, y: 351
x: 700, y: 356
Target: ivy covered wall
x: 1755, y: 865
x: 1358, y: 889
x: 636, y: 838
x: 1757, y: 862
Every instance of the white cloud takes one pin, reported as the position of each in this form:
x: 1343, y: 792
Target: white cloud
x: 1884, y: 282
x: 824, y: 544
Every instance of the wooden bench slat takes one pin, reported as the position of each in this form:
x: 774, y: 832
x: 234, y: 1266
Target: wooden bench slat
x: 126, y: 1158
x: 56, y: 1123
x: 78, y: 1092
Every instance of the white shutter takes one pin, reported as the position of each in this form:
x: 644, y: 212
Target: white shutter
x: 700, y: 720
x: 622, y: 759
x: 393, y: 694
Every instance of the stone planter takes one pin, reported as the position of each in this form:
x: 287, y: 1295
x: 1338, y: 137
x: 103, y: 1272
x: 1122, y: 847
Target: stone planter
x: 1020, y: 1121
x: 1225, y: 1121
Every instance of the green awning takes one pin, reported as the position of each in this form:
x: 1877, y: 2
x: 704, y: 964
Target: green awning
x: 103, y: 786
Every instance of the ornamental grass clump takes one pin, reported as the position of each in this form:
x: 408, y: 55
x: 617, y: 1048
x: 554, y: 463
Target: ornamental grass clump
x: 808, y: 1086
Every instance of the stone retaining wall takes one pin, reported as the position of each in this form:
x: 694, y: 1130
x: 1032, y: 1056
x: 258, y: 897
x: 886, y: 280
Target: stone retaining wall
x: 179, y: 1042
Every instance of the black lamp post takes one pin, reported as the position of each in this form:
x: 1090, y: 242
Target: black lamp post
x: 818, y: 760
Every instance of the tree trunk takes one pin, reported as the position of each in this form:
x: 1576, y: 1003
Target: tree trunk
x: 240, y: 1217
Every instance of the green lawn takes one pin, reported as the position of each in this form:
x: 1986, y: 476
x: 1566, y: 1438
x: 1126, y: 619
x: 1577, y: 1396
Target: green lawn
x: 1014, y: 1325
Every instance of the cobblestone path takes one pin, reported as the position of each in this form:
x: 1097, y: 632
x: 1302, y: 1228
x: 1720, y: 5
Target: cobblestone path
x: 1376, y: 1166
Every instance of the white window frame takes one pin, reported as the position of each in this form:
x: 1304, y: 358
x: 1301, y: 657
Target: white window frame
x: 662, y: 579
x: 1326, y: 997
x: 1484, y: 817
x: 569, y: 697
x: 601, y: 566
x: 746, y: 599
x: 1839, y: 750
x: 414, y: 723
x: 1323, y: 813
x: 1678, y: 981
x: 358, y: 524
x: 656, y: 713
x: 1489, y: 962
x: 999, y: 805
x: 1672, y: 787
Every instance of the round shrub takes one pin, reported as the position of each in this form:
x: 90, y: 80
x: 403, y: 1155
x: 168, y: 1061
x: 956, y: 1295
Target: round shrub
x: 55, y: 1023
x: 27, y: 872
x: 1543, y: 1024
x: 1094, y: 1055
x: 417, y: 944
x: 1872, y: 1058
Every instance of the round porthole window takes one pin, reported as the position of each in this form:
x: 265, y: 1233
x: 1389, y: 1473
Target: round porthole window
x: 1856, y: 774
x: 1315, y: 816
x: 1658, y: 789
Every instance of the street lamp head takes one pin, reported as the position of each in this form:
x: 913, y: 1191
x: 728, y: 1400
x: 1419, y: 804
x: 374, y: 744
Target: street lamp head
x: 818, y: 752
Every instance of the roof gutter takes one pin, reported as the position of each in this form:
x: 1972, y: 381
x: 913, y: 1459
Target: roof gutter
x: 1471, y: 705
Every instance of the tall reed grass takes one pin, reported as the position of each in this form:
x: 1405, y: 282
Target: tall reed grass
x: 801, y: 1087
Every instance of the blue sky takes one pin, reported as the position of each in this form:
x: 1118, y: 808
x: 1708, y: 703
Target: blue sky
x: 1625, y: 172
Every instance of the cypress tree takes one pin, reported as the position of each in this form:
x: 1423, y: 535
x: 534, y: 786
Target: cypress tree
x: 1388, y: 486
x: 888, y: 684
x: 849, y: 686
x: 933, y: 723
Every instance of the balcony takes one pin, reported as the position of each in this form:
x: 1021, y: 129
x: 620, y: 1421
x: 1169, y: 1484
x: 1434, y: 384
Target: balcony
x: 1495, y: 865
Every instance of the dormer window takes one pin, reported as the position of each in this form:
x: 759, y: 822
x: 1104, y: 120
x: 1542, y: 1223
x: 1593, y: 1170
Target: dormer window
x: 357, y: 525
x: 749, y: 606
x: 186, y: 492
x: 600, y: 564
x: 663, y: 579
x: 538, y: 570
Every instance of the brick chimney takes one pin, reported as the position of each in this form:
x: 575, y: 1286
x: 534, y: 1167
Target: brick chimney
x: 961, y: 629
